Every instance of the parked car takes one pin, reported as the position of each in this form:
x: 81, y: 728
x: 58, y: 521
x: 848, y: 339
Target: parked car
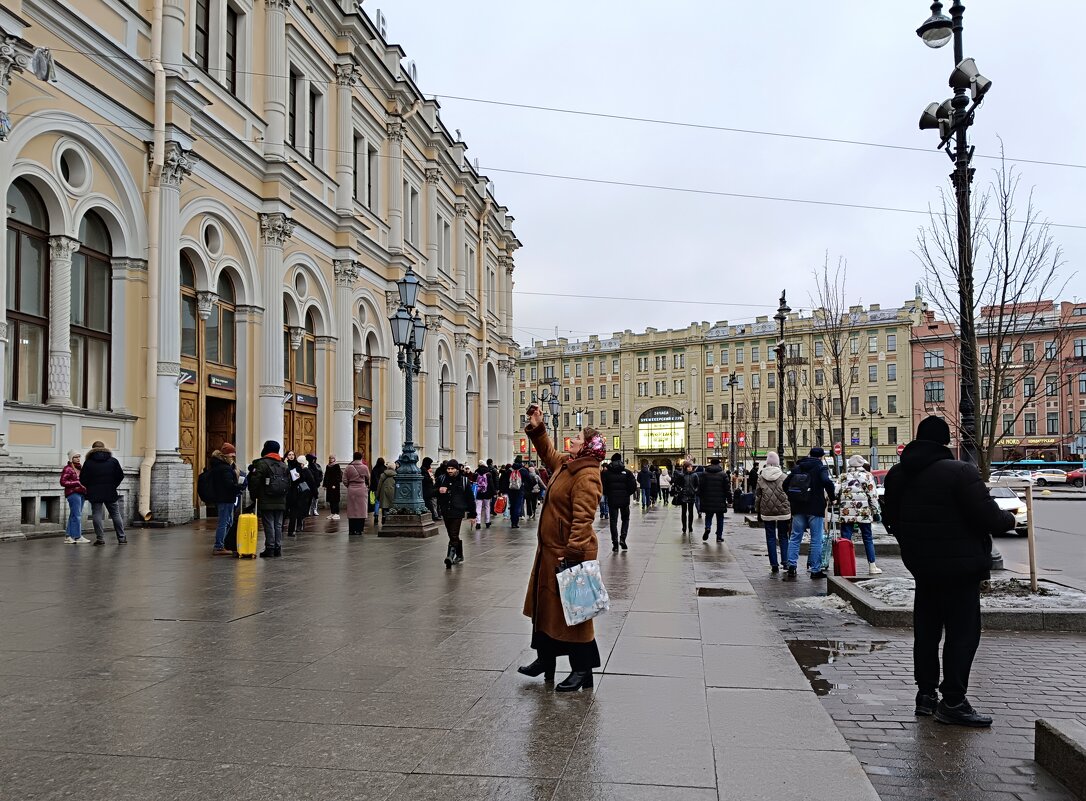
x: 1076, y: 477
x: 1049, y: 475
x: 1008, y: 500
x: 1012, y: 475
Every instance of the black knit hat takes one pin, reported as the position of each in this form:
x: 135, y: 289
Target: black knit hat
x: 817, y: 452
x: 616, y: 457
x: 934, y: 429
x: 271, y: 446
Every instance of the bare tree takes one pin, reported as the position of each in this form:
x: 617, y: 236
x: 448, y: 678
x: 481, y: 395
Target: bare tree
x: 837, y: 324
x: 1016, y: 275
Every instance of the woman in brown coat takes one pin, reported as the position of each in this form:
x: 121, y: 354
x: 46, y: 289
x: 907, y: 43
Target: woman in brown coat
x: 565, y: 535
x: 357, y: 480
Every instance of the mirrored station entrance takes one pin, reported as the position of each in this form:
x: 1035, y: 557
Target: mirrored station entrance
x: 661, y: 436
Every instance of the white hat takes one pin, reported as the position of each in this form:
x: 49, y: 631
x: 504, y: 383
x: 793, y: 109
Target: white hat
x: 856, y: 460
x: 74, y: 454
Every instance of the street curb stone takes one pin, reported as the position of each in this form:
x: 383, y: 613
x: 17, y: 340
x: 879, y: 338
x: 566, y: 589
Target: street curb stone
x: 1059, y: 746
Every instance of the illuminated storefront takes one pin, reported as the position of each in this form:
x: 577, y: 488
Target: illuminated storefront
x: 661, y: 430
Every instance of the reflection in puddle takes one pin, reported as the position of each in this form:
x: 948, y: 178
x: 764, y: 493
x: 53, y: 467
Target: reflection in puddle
x: 811, y: 654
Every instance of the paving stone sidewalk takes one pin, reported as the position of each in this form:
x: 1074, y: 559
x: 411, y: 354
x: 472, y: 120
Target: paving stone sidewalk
x: 366, y: 670
x: 866, y: 675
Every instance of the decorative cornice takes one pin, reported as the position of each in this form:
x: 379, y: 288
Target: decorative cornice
x: 279, y: 5
x: 392, y: 301
x: 205, y: 302
x: 272, y: 391
x: 433, y: 175
x: 324, y: 341
x: 343, y: 406
x: 177, y: 163
x: 487, y: 236
x: 396, y: 131
x: 275, y: 229
x: 347, y: 75
x: 11, y: 59
x: 296, y: 332
x: 434, y: 322
x: 461, y: 341
x: 169, y: 368
x: 123, y: 264
x: 61, y: 248
x: 359, y: 362
x: 346, y: 272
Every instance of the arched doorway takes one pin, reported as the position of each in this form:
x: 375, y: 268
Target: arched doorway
x: 208, y: 398
x: 493, y: 416
x: 300, y: 372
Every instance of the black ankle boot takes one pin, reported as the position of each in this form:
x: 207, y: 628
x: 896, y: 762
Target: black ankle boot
x: 450, y: 556
x: 575, y: 681
x: 538, y: 667
x: 614, y: 545
x: 459, y: 557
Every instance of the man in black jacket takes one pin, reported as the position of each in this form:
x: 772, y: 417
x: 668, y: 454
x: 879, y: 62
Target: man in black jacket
x: 455, y: 500
x: 619, y: 485
x: 943, y: 516
x: 101, y: 475
x: 808, y: 486
x: 715, y: 493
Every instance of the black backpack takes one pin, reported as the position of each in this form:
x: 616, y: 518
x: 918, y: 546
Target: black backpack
x: 205, y: 487
x: 799, y: 487
x: 278, y: 483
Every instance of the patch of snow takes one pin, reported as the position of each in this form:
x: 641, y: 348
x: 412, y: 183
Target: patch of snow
x: 833, y: 604
x: 1002, y: 594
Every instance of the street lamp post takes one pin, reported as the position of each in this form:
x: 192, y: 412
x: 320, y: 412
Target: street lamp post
x: 549, y: 395
x: 952, y: 119
x: 733, y: 382
x: 579, y: 413
x: 688, y: 413
x: 407, y: 518
x: 781, y: 316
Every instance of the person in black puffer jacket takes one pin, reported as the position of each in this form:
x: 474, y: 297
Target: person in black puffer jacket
x: 714, y: 490
x: 101, y: 475
x: 943, y: 516
x: 619, y: 485
x: 455, y: 500
x: 684, y: 488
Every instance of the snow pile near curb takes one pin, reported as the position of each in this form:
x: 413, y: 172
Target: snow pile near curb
x: 834, y: 604
x: 1001, y: 594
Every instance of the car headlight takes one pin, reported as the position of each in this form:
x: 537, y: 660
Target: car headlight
x: 1021, y: 510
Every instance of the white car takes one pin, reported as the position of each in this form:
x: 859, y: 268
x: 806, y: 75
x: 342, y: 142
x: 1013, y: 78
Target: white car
x: 1008, y: 500
x: 1012, y: 475
x: 1049, y: 475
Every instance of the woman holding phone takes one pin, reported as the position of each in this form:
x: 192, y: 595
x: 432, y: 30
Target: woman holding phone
x: 565, y: 538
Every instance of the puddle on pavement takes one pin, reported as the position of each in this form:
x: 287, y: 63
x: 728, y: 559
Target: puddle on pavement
x: 812, y: 654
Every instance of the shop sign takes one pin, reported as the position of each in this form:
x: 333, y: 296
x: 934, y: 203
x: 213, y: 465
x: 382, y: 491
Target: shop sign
x: 523, y: 445
x: 1038, y: 441
x: 661, y: 414
x: 224, y: 382
x: 305, y: 400
x: 710, y: 439
x: 742, y: 439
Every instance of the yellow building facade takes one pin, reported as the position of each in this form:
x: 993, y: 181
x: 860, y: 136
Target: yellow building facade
x: 661, y: 396
x: 209, y: 205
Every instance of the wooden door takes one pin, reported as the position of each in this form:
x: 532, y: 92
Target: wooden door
x: 362, y: 440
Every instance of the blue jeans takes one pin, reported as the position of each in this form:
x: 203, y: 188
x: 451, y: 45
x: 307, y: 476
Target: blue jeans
x: 74, y: 528
x: 801, y: 523
x: 226, y: 516
x: 604, y: 511
x: 645, y: 496
x: 865, y: 532
x: 719, y: 523
x: 776, y: 536
x: 516, y: 506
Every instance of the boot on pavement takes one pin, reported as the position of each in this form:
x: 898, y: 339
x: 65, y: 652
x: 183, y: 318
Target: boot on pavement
x: 961, y: 715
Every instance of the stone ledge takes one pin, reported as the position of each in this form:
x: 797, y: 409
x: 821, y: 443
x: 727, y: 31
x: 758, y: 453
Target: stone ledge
x: 416, y: 526
x: 1059, y: 746
x: 885, y: 616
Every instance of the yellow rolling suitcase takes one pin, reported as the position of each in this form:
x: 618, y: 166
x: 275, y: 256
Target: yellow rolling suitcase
x: 246, y: 536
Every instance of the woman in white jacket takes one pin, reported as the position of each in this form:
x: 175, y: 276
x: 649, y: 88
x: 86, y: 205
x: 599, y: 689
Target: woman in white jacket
x: 665, y: 485
x: 773, y: 509
x: 858, y: 499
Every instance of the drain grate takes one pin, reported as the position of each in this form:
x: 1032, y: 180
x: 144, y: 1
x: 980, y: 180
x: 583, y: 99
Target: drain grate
x: 709, y: 591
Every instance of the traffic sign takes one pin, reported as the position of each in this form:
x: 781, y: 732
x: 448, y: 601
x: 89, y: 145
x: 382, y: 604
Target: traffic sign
x: 742, y: 439
x: 837, y: 448
x: 900, y: 448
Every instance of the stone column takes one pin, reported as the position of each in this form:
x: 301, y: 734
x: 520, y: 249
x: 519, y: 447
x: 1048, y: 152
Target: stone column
x: 246, y: 415
x: 346, y: 77
x: 275, y: 229
x: 276, y: 90
x: 433, y: 249
x: 324, y: 346
x: 126, y: 274
x: 395, y: 181
x: 459, y: 259
x: 431, y: 387
x: 59, y: 386
x: 505, y: 296
x: 346, y: 273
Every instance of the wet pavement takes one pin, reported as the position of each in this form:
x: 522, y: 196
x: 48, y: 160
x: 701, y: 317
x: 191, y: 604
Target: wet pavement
x: 863, y: 675
x: 364, y: 669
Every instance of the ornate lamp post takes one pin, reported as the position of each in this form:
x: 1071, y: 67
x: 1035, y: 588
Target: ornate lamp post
x: 781, y: 316
x: 549, y: 395
x: 406, y: 519
x: 733, y: 382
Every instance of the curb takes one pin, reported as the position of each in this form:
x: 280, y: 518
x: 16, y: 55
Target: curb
x: 885, y: 616
x: 1059, y: 746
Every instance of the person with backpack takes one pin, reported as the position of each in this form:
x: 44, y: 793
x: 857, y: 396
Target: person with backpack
x: 858, y: 505
x: 619, y: 486
x: 455, y: 499
x: 269, y: 484
x: 318, y: 476
x: 941, y: 513
x: 333, y: 478
x: 684, y: 487
x: 301, y: 490
x: 715, y: 492
x: 218, y: 486
x: 808, y: 486
x: 356, y: 478
x: 773, y: 510
x: 518, y: 478
x: 386, y: 492
x: 483, y: 494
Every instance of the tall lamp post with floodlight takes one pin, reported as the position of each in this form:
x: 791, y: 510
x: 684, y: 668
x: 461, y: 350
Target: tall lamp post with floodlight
x: 688, y: 412
x: 407, y: 518
x: 952, y: 119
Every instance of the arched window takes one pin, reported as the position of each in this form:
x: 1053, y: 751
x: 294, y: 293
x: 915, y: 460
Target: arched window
x: 305, y: 358
x: 92, y: 313
x: 27, y: 295
x: 219, y: 329
x: 189, y: 318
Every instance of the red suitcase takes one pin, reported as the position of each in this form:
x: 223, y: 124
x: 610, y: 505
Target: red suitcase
x: 844, y: 557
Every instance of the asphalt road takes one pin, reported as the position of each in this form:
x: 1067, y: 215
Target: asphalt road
x: 1060, y: 530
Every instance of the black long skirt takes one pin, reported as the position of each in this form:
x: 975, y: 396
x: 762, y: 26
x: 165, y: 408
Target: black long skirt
x: 583, y: 656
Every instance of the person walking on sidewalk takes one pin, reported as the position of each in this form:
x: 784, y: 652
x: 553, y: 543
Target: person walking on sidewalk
x: 618, y: 486
x: 74, y: 493
x: 565, y: 538
x: 943, y: 516
x: 685, y: 488
x: 858, y: 505
x: 333, y: 478
x: 644, y: 480
x: 483, y: 493
x: 386, y: 492
x: 665, y: 485
x: 773, y: 510
x: 428, y: 495
x: 318, y: 475
x: 515, y: 485
x: 356, y: 478
x: 224, y: 486
x: 102, y: 475
x: 752, y: 477
x: 269, y: 484
x: 455, y: 501
x: 715, y: 493
x: 808, y: 486
x: 533, y: 492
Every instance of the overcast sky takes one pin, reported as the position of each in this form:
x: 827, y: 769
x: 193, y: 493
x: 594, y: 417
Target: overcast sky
x: 841, y: 70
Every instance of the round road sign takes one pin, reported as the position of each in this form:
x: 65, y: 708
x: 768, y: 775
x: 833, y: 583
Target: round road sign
x: 900, y: 448
x: 837, y: 448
